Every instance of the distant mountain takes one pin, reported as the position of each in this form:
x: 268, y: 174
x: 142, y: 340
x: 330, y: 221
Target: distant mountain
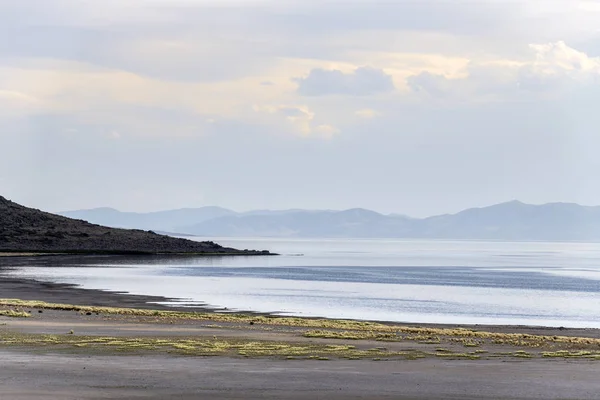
x: 166, y: 221
x: 518, y: 221
x: 349, y: 223
x: 24, y: 229
x: 507, y: 221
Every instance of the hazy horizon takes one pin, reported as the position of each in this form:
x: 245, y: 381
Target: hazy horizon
x: 311, y: 209
x: 413, y: 107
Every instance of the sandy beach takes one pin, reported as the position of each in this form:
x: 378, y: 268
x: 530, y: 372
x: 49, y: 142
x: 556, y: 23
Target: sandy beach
x: 107, y: 353
x: 29, y: 376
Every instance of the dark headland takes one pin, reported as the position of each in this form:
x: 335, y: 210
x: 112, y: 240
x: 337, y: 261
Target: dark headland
x: 27, y: 230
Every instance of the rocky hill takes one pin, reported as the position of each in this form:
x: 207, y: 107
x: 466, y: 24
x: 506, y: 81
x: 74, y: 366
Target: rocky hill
x: 24, y: 229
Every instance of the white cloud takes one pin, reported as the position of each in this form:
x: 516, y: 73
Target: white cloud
x: 442, y: 103
x: 16, y: 97
x: 300, y: 118
x: 14, y: 104
x: 557, y: 63
x: 551, y: 69
x: 326, y: 131
x: 562, y: 56
x: 368, y: 113
x: 363, y: 81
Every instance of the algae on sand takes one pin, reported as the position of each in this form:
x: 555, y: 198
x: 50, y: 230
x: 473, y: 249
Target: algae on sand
x: 319, y: 328
x: 199, y: 346
x: 14, y: 314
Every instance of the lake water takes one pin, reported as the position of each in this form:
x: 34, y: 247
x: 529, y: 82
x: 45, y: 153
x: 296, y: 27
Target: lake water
x: 548, y: 284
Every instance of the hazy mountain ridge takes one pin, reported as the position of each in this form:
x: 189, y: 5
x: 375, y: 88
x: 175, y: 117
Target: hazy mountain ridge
x: 167, y: 221
x: 24, y: 229
x: 506, y: 221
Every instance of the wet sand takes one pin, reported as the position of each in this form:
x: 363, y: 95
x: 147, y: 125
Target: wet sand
x: 27, y: 376
x: 30, y: 372
x: 29, y: 289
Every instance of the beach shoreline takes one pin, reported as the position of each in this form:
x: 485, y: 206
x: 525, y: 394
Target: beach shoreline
x: 103, y: 349
x: 64, y: 293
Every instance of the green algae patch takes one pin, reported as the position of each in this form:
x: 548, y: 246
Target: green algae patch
x: 14, y: 314
x: 331, y: 328
x: 204, y: 316
x: 594, y: 355
x: 197, y: 347
x: 352, y: 335
x: 468, y: 356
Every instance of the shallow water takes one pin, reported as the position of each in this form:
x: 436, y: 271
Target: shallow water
x: 549, y: 284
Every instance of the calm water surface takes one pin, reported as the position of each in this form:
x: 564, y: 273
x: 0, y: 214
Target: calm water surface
x: 550, y: 284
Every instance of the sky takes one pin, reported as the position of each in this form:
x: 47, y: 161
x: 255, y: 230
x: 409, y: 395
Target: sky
x: 418, y: 107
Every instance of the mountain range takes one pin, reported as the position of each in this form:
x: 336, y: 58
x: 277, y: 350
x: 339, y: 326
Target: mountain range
x: 506, y: 221
x: 24, y: 229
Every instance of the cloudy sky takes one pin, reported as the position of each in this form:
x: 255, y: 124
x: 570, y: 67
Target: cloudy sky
x: 411, y: 106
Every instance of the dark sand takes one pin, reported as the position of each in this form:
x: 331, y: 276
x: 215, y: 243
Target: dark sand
x: 29, y: 376
x: 34, y: 373
x: 28, y: 289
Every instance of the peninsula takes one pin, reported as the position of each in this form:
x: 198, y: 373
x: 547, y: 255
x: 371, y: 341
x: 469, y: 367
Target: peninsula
x: 27, y: 230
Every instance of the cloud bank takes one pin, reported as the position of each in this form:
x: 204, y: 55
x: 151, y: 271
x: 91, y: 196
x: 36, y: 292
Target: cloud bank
x: 363, y: 81
x: 418, y: 107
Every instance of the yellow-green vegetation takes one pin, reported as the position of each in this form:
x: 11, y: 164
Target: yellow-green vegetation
x: 573, y: 354
x: 207, y: 316
x: 521, y: 354
x: 201, y: 346
x: 433, y: 340
x: 469, y: 342
x: 14, y: 314
x: 348, y: 330
x: 469, y: 356
x: 353, y: 335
